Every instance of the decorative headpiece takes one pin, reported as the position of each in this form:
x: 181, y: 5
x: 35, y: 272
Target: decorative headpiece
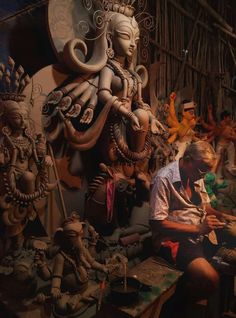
x: 188, y: 105
x: 120, y: 6
x: 13, y: 81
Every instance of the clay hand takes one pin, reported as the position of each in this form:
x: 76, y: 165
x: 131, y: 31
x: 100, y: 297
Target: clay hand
x: 39, y: 258
x: 156, y: 126
x: 134, y: 122
x: 56, y: 293
x: 210, y: 223
x: 173, y: 96
x: 55, y: 97
x: 61, y: 115
x: 74, y: 111
x: 78, y: 94
x: 48, y: 161
x: 210, y: 107
x: 105, y: 269
x: 87, y: 116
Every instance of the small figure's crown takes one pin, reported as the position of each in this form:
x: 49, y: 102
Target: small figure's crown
x: 120, y: 6
x: 13, y: 81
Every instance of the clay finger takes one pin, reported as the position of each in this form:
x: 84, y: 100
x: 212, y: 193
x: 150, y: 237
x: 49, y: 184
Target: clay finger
x: 80, y: 89
x: 89, y: 116
x: 74, y: 111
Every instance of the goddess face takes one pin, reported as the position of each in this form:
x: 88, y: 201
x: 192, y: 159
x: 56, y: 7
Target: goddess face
x: 125, y: 36
x: 17, y: 115
x: 189, y: 114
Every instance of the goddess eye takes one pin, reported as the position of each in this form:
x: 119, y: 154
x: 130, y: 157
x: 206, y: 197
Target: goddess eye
x: 124, y: 35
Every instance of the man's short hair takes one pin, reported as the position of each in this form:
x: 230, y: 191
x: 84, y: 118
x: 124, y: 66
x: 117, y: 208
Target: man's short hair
x: 201, y: 150
x: 224, y: 114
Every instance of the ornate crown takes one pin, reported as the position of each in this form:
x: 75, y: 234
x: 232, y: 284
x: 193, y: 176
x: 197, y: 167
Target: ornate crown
x: 120, y: 6
x: 13, y: 81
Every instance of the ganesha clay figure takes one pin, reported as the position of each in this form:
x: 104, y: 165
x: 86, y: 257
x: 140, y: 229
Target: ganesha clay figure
x: 103, y: 107
x: 20, y: 152
x: 71, y: 266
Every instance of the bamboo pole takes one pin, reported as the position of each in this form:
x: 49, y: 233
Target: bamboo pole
x: 214, y: 14
x: 187, y: 49
x: 166, y: 44
x: 233, y: 35
x: 173, y: 54
x: 64, y: 214
x: 219, y: 99
x: 157, y: 36
x: 25, y: 10
x: 189, y: 15
x: 232, y: 52
x: 229, y: 89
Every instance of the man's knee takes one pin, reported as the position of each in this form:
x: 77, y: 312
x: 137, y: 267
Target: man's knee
x: 203, y: 276
x: 212, y: 280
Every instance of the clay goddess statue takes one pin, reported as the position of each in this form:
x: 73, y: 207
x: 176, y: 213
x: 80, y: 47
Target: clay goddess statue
x: 20, y: 151
x: 104, y: 105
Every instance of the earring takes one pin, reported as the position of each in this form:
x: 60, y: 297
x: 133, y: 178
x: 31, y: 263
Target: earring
x: 109, y: 51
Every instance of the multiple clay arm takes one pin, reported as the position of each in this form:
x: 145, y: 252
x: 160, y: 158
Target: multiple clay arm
x: 178, y: 129
x: 119, y: 106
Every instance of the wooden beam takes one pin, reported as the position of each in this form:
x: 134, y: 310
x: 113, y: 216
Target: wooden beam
x: 189, y: 15
x: 171, y: 53
x: 215, y: 14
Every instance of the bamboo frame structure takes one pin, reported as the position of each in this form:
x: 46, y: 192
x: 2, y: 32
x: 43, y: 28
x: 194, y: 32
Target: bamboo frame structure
x: 195, y: 45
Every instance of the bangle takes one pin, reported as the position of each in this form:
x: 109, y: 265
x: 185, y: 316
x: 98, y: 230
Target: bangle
x: 105, y: 89
x: 56, y: 276
x: 72, y: 96
x: 91, y: 106
x: 80, y: 102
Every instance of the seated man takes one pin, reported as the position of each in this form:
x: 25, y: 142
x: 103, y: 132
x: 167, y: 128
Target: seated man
x: 181, y: 216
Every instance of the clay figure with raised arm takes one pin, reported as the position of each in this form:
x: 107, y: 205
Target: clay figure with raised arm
x: 182, y: 132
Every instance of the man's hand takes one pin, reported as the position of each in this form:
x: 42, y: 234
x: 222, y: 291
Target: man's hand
x: 210, y: 223
x: 228, y: 218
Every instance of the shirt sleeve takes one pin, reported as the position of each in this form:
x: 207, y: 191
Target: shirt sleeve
x: 159, y: 199
x: 203, y: 192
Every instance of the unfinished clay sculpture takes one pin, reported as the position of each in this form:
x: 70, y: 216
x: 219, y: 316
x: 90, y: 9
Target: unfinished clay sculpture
x: 102, y: 107
x: 23, y: 158
x: 181, y: 132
